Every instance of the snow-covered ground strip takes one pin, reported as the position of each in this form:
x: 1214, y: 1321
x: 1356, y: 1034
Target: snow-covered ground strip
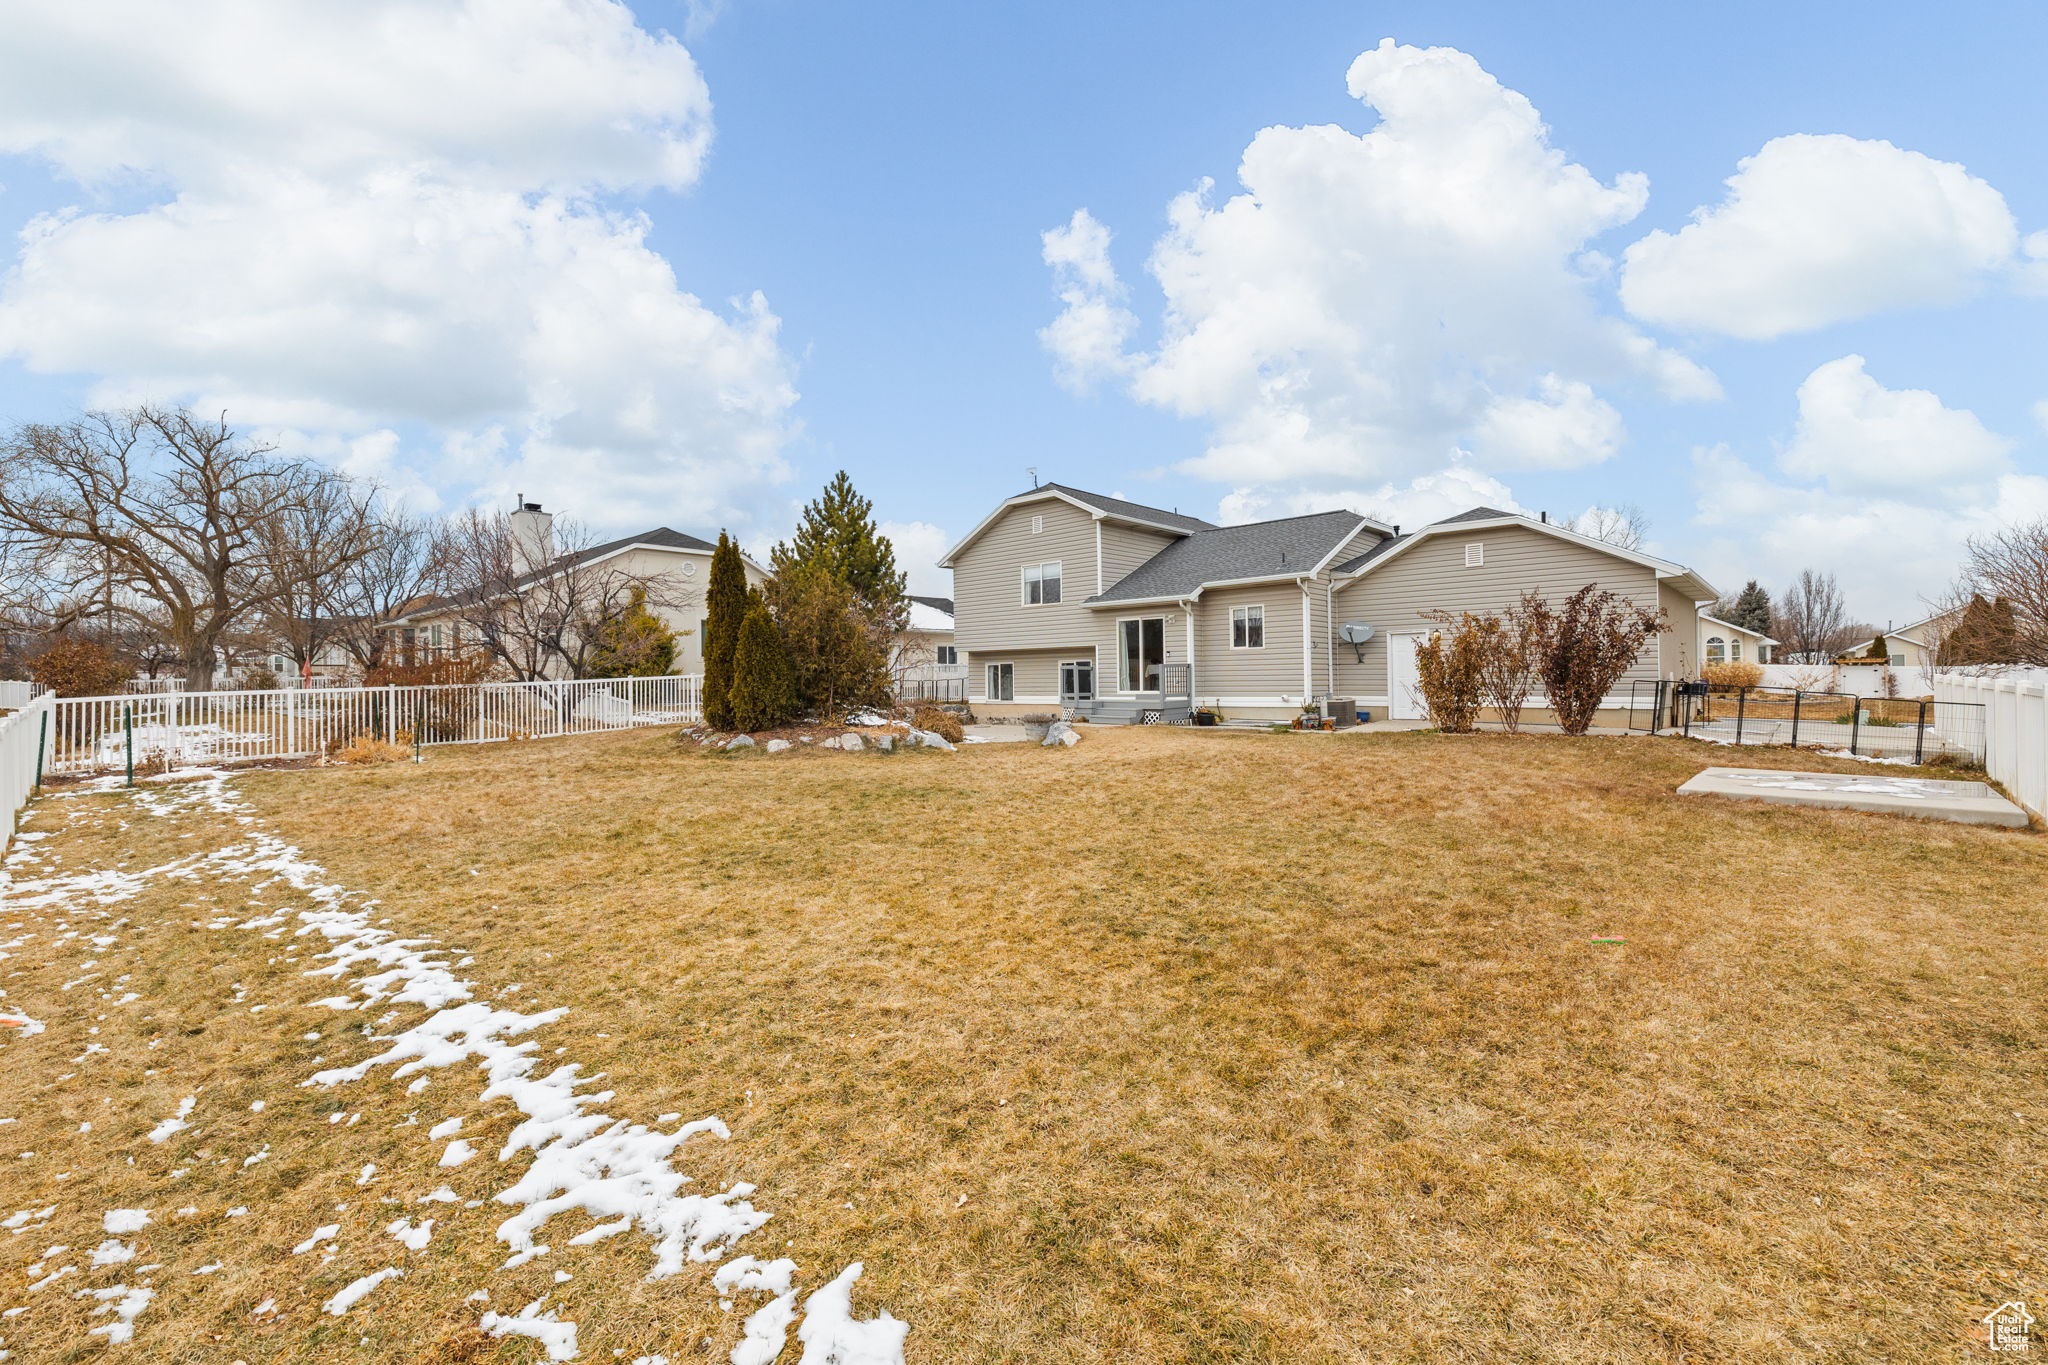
x: 583, y: 1160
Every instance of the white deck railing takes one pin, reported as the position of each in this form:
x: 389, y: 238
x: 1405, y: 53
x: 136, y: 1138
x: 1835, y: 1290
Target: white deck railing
x: 183, y: 729
x: 2015, y: 705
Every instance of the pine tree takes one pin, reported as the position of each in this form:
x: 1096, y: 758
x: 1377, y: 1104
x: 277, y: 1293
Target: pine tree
x: 836, y: 665
x: 632, y: 642
x: 838, y: 534
x: 763, y: 695
x: 1987, y: 632
x: 838, y: 597
x: 1752, y: 609
x: 725, y: 607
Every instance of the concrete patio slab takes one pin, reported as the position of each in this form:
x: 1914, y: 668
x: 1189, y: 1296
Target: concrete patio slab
x: 1968, y: 803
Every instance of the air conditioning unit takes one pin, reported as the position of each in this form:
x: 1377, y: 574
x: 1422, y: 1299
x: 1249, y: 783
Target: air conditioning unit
x: 1340, y: 711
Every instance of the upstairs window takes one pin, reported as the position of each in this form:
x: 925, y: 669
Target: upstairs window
x: 1475, y: 554
x: 946, y: 654
x: 1248, y: 627
x: 1041, y: 583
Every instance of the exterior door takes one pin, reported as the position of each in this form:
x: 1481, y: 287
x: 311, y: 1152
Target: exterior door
x: 1077, y: 682
x: 1141, y: 653
x: 1404, y: 680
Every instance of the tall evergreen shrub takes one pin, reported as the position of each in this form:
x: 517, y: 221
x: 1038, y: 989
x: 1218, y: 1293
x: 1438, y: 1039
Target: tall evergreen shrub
x: 725, y: 607
x: 763, y: 695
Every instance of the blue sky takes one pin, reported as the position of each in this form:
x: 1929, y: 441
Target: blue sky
x: 882, y: 177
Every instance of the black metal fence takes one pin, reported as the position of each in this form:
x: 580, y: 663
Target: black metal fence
x: 1913, y: 729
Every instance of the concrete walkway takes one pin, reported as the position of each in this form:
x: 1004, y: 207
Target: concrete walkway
x: 1966, y: 803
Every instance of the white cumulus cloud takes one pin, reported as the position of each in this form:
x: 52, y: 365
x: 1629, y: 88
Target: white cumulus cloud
x: 1883, y: 487
x: 1372, y: 307
x: 918, y: 546
x: 1817, y: 230
x: 398, y: 216
x: 1857, y: 436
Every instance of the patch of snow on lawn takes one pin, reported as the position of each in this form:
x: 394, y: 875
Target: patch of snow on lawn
x: 353, y: 1293
x: 124, y: 1221
x: 125, y: 1304
x: 559, y: 1337
x: 176, y: 1123
x: 833, y: 1336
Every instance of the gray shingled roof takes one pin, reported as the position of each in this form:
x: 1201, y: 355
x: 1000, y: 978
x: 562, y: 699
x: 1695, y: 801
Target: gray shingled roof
x: 1117, y: 507
x: 1222, y: 553
x: 1475, y: 514
x: 944, y: 604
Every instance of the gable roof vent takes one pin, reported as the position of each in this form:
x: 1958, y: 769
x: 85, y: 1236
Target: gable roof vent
x: 1475, y: 554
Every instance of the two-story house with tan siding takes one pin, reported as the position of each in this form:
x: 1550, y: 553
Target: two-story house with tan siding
x: 1068, y: 600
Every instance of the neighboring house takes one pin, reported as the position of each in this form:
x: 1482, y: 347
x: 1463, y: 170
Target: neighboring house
x: 1725, y: 642
x: 1111, y: 609
x: 681, y: 562
x: 1913, y: 645
x: 925, y: 661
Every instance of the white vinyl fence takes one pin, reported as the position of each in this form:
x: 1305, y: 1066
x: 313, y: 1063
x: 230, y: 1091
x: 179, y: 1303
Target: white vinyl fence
x: 14, y: 695
x: 22, y: 735
x: 2016, y: 726
x: 1862, y: 680
x: 180, y: 729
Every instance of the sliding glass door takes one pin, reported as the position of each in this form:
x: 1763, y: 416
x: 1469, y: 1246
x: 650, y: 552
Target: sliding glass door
x: 1141, y: 652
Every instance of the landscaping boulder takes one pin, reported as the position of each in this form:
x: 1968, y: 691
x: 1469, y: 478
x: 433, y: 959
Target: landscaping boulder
x: 1060, y: 732
x: 886, y: 743
x: 776, y: 746
x: 849, y: 741
x: 739, y: 742
x: 930, y: 739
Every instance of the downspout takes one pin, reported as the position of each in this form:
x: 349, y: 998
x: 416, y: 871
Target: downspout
x: 1330, y: 636
x: 1308, y: 650
x: 1099, y: 585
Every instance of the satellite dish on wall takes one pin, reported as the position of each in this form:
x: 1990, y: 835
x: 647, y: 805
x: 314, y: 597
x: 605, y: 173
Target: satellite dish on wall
x: 1355, y: 634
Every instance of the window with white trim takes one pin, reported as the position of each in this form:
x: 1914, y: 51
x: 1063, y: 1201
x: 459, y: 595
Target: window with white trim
x: 1735, y: 650
x: 1002, y: 682
x: 1248, y: 627
x: 1717, y: 649
x: 1042, y: 583
x: 946, y: 654
x: 1475, y: 554
x: 1037, y: 526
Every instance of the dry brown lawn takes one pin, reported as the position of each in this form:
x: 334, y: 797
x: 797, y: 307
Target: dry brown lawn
x: 1175, y: 1047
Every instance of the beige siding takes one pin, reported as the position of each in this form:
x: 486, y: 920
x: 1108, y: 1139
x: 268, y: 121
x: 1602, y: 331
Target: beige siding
x: 1124, y: 548
x: 1274, y: 672
x: 1680, y: 651
x: 988, y: 602
x: 1036, y: 674
x: 1432, y: 576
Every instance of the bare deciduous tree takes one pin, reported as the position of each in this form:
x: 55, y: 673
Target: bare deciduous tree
x: 2012, y: 564
x: 402, y: 568
x: 310, y: 551
x: 1810, y: 620
x: 536, y: 610
x: 1625, y: 525
x: 150, y: 517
